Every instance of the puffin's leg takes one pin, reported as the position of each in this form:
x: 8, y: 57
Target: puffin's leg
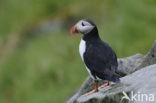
x: 106, y: 84
x: 95, y: 89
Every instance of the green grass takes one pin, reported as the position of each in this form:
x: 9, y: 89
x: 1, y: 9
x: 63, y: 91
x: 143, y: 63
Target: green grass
x: 48, y: 68
x: 44, y: 70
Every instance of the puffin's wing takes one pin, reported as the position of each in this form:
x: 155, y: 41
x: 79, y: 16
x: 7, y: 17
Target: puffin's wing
x: 101, y: 58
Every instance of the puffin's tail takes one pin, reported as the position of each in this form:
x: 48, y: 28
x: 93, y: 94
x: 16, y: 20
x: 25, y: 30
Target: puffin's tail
x: 116, y: 78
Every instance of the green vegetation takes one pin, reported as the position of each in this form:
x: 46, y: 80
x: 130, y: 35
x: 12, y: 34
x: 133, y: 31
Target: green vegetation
x: 46, y: 67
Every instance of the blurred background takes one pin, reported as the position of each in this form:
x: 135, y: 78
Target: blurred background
x: 39, y: 60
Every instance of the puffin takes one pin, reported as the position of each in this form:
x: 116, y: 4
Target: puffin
x: 99, y: 58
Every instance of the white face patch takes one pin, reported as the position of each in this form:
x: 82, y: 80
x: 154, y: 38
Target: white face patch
x: 84, y: 26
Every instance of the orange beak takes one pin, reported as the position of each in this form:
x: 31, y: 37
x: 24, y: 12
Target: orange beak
x: 74, y: 30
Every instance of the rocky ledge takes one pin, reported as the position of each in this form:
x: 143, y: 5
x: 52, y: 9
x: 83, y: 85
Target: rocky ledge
x: 138, y: 83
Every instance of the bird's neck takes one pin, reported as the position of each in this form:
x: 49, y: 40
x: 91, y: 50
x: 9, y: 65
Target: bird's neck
x: 91, y: 36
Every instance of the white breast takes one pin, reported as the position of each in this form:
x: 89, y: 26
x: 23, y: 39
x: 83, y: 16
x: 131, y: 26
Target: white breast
x: 82, y: 48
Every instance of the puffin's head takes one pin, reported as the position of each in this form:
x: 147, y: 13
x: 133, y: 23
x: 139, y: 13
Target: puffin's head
x: 84, y: 26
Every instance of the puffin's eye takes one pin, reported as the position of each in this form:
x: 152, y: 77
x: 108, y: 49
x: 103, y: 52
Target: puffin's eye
x: 83, y: 24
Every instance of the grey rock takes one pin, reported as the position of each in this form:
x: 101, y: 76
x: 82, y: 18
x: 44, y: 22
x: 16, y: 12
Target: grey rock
x: 126, y: 65
x: 129, y: 64
x: 150, y: 58
x: 45, y: 27
x: 48, y: 26
x: 137, y: 82
x: 87, y: 86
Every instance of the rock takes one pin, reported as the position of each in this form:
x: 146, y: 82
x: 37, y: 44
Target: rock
x: 126, y: 66
x: 51, y: 26
x: 129, y: 64
x: 46, y: 27
x: 133, y: 64
x: 150, y: 58
x: 137, y: 83
x: 87, y: 86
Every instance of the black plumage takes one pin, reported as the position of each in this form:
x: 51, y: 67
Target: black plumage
x: 100, y: 58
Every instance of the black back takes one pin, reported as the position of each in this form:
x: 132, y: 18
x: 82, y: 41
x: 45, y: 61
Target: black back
x: 99, y: 57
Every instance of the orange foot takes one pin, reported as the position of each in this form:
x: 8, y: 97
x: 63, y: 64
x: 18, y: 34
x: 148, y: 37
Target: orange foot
x: 92, y: 92
x: 107, y: 84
